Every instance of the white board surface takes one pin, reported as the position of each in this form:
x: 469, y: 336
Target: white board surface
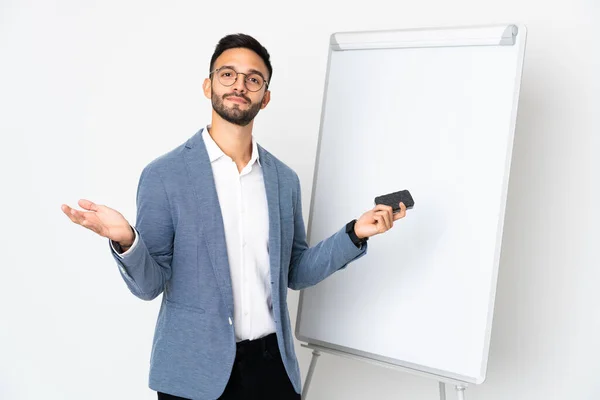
x: 411, y: 110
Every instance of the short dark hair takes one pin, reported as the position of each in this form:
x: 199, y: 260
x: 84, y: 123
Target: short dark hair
x: 240, y: 40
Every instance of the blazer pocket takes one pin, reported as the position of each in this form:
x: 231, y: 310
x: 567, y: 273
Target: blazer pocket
x: 171, y: 303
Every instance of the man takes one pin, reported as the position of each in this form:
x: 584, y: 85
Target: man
x: 220, y: 234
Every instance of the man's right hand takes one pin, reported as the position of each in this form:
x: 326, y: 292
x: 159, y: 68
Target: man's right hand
x: 103, y: 220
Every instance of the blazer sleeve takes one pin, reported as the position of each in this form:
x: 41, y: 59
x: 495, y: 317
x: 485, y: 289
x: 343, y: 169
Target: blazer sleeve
x: 147, y: 267
x: 310, y: 265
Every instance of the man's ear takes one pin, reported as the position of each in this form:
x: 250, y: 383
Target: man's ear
x: 266, y: 99
x: 207, y: 88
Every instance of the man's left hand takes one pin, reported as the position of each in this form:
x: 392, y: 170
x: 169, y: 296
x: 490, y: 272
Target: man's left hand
x: 378, y: 220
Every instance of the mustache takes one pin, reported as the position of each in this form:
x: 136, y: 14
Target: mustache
x: 237, y: 95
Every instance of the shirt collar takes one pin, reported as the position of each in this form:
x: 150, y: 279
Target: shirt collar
x: 215, y: 152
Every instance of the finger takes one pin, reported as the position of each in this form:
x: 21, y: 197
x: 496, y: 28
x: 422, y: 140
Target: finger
x: 383, y: 207
x: 401, y: 213
x: 387, y: 218
x: 87, y: 220
x: 390, y: 217
x: 377, y: 219
x: 81, y: 218
x: 88, y: 205
x: 387, y: 209
x: 92, y: 226
x: 67, y: 210
x: 380, y: 223
x: 78, y: 216
x: 73, y: 214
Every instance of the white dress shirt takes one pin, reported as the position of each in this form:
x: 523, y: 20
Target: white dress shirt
x: 244, y: 208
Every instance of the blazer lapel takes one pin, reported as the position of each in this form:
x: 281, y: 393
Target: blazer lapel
x: 200, y: 171
x: 271, y: 179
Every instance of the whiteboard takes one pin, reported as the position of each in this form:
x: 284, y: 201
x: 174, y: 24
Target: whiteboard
x: 432, y: 111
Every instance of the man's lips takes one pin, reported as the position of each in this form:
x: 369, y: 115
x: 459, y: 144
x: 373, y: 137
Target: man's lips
x: 236, y: 99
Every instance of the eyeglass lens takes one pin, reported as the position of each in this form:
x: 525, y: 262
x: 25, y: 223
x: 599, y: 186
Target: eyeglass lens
x: 228, y: 76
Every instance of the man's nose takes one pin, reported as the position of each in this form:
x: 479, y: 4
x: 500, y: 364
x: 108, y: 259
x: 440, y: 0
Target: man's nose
x: 240, y: 85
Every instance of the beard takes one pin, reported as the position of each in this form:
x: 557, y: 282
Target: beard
x: 235, y: 115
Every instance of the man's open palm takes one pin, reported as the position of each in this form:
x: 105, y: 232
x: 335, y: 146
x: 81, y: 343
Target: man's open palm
x: 101, y: 219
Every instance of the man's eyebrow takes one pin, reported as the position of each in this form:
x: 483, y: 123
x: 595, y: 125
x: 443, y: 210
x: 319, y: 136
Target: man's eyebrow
x: 255, y: 71
x: 225, y: 66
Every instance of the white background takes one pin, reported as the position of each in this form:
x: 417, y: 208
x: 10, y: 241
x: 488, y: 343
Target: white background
x: 90, y: 92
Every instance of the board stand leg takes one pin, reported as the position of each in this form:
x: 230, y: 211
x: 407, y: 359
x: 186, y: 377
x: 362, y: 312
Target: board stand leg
x: 317, y: 350
x: 311, y: 370
x: 442, y: 391
x: 460, y: 392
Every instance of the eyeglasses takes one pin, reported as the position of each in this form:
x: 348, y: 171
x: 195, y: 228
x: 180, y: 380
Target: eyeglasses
x: 228, y: 76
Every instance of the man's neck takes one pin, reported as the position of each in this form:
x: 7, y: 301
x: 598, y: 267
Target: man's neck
x: 234, y: 140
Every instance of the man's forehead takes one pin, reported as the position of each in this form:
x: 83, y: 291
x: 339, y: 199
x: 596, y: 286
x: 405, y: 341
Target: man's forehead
x: 242, y: 58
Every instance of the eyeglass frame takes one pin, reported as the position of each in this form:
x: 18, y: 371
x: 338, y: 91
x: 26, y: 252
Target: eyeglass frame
x: 266, y: 82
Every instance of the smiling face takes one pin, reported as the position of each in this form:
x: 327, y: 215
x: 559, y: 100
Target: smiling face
x: 235, y: 103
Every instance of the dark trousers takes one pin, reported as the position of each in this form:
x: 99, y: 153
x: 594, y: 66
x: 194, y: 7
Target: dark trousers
x: 258, y: 374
